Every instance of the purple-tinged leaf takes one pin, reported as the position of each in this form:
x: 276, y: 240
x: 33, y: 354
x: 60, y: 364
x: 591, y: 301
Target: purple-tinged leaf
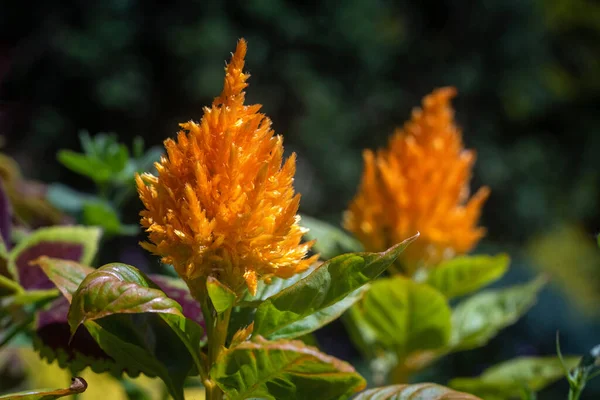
x: 117, y: 289
x: 52, y: 342
x: 76, y: 243
x: 178, y: 291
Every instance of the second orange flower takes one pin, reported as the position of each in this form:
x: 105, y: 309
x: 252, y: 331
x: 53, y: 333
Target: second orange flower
x: 420, y: 182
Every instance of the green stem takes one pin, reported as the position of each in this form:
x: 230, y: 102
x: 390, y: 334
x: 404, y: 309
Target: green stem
x: 216, y: 330
x: 575, y: 392
x: 576, y: 385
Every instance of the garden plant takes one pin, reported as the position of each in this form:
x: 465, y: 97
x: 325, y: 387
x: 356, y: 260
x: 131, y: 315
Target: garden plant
x: 247, y: 280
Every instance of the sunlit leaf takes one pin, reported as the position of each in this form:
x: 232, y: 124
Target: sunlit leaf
x: 405, y: 315
x: 466, y: 274
x: 220, y: 295
x: 283, y: 369
x: 328, y: 284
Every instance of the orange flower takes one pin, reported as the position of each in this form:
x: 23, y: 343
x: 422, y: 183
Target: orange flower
x: 223, y: 204
x: 420, y: 183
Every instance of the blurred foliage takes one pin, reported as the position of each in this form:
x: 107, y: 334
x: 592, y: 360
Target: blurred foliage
x: 335, y: 78
x: 571, y: 256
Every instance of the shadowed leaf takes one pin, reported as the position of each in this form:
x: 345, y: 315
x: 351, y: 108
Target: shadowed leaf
x: 5, y: 222
x: 479, y: 318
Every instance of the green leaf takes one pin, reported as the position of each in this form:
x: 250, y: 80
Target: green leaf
x: 329, y: 283
x: 320, y: 318
x: 66, y: 198
x: 406, y: 316
x: 243, y: 313
x: 276, y: 285
x: 420, y: 391
x: 510, y: 378
x: 82, y: 164
x: 466, y: 274
x: 479, y: 318
x: 117, y: 289
x: 221, y: 296
x: 283, y: 370
x: 137, y: 324
x: 101, y: 214
x: 331, y: 241
x: 78, y: 385
x: 78, y: 243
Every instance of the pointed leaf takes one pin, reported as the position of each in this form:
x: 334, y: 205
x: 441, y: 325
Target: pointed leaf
x: 421, y: 391
x: 466, y: 274
x: 220, y: 295
x: 243, y: 313
x: 77, y: 386
x: 328, y: 284
x: 320, y: 318
x: 283, y: 370
x: 117, y: 289
x: 66, y: 275
x: 479, y: 318
x: 331, y: 241
x: 508, y: 379
x: 276, y: 285
x: 406, y: 316
x: 77, y: 243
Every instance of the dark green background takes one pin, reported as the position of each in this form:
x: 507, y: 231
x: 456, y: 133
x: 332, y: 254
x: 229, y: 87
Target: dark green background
x: 336, y: 77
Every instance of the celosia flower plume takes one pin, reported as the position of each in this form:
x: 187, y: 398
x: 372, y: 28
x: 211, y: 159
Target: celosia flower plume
x: 420, y: 183
x: 223, y: 203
